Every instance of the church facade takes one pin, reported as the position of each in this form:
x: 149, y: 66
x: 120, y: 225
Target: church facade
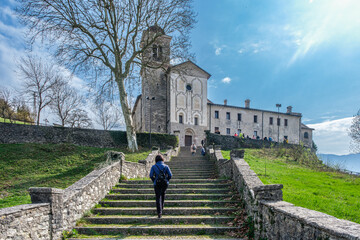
x: 174, y: 100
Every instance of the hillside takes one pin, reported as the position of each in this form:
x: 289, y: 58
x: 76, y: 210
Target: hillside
x: 349, y: 162
x: 330, y: 192
x: 47, y: 165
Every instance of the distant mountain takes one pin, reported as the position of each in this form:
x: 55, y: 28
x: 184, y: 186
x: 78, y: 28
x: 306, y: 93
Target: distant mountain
x: 349, y: 162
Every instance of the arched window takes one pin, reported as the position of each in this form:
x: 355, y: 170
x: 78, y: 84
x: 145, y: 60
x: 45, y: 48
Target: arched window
x: 157, y: 52
x: 306, y: 135
x: 181, y: 118
x: 196, y: 121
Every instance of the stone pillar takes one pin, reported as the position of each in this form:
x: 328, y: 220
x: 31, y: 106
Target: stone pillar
x: 54, y: 196
x: 237, y: 154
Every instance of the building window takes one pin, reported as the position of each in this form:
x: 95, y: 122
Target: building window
x: 228, y: 131
x: 239, y: 116
x: 217, y: 130
x: 278, y: 121
x: 157, y: 52
x: 196, y: 121
x: 239, y: 131
x: 285, y: 122
x: 306, y: 135
x: 286, y: 137
x: 181, y: 119
x: 216, y: 114
x: 188, y: 87
x: 255, y: 133
x: 228, y: 115
x: 255, y: 118
x: 271, y: 120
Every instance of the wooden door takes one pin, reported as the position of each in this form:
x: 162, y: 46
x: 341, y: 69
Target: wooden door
x: 188, y: 140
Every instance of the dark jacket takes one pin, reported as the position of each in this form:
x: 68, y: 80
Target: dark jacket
x: 154, y: 172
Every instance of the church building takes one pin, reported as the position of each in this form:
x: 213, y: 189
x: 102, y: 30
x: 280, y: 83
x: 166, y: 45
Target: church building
x: 174, y: 100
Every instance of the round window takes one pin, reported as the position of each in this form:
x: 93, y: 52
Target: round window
x: 188, y: 87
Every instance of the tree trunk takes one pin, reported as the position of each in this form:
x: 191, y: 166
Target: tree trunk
x: 130, y: 128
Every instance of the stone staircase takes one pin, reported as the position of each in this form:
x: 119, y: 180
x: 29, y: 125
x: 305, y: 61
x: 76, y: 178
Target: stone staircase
x: 197, y: 206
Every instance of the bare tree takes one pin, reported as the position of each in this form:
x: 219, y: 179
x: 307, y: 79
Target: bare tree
x: 6, y: 105
x: 354, y: 133
x: 104, y: 36
x: 38, y: 77
x: 64, y: 100
x: 107, y: 115
x: 78, y: 118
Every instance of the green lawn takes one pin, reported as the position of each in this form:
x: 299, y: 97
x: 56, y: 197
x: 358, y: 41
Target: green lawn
x: 333, y: 193
x: 47, y: 165
x: 2, y: 120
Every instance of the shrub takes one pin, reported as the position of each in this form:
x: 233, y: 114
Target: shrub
x: 143, y: 139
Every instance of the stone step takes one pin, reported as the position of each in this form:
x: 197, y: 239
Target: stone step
x: 190, y: 164
x: 194, y: 176
x: 166, y: 211
x: 153, y: 219
x: 189, y: 160
x: 167, y: 237
x: 155, y: 230
x: 168, y: 203
x: 184, y: 181
x: 175, y: 185
x: 181, y: 167
x: 170, y: 191
x: 168, y: 196
x: 192, y: 170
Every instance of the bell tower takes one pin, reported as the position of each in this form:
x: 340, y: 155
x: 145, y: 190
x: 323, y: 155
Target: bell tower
x: 155, y: 80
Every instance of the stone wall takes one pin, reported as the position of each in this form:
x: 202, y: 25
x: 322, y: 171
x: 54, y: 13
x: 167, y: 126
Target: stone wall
x: 274, y: 218
x: 231, y: 142
x: 30, y: 221
x: 55, y: 210
x: 18, y: 133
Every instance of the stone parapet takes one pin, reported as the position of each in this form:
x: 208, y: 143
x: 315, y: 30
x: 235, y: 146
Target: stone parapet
x: 23, y: 222
x: 274, y: 218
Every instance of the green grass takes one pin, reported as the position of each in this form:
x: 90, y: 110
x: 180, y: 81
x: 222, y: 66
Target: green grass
x: 330, y: 192
x: 47, y: 165
x: 2, y: 120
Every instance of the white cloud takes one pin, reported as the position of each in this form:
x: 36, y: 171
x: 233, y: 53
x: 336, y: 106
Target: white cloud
x: 332, y: 136
x: 254, y: 47
x: 218, y: 51
x: 226, y: 80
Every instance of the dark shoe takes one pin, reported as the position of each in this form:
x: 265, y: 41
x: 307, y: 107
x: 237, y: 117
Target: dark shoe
x: 159, y: 215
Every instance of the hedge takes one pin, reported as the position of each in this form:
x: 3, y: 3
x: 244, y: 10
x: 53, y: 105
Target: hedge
x: 160, y: 140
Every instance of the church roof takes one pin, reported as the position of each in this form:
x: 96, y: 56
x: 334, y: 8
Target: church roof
x: 156, y: 29
x: 260, y: 110
x: 189, y: 62
x: 306, y: 127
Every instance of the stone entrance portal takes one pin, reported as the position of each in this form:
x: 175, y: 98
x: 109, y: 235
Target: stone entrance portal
x: 188, y: 140
x: 189, y: 137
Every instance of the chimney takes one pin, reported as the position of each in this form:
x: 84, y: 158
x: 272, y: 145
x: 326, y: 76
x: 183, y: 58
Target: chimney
x: 289, y: 109
x: 225, y: 101
x: 247, y: 103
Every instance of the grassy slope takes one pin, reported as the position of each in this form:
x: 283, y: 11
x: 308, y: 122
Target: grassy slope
x: 8, y: 121
x: 47, y: 165
x: 333, y: 193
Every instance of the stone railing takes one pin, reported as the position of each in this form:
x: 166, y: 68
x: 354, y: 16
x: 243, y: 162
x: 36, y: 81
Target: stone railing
x: 56, y: 210
x: 29, y: 221
x: 274, y: 218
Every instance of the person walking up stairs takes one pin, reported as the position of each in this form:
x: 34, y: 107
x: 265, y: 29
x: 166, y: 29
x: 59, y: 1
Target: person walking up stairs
x: 195, y: 206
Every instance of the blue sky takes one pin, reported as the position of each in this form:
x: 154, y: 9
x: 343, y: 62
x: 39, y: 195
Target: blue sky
x: 303, y: 53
